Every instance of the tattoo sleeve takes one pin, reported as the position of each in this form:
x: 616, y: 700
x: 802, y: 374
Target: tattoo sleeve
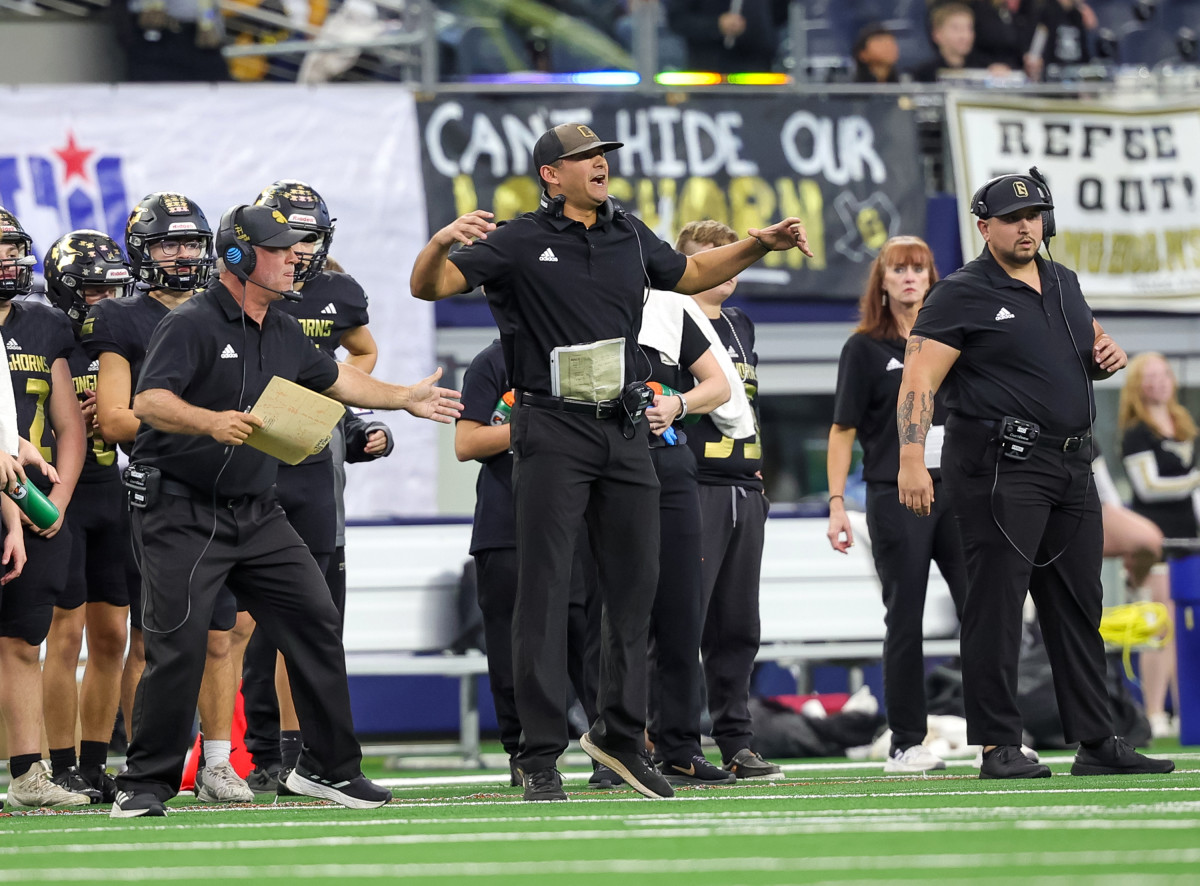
x: 914, y: 345
x: 914, y: 431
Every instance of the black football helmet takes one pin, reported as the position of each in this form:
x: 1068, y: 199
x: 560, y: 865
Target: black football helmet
x: 16, y: 274
x: 83, y: 258
x: 160, y: 216
x: 305, y: 211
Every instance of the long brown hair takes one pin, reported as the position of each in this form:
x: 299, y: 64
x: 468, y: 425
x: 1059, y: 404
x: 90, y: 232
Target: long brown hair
x: 874, y: 317
x: 1132, y: 409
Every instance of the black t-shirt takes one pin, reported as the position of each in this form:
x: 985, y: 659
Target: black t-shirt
x: 100, y: 460
x: 868, y: 386
x: 551, y: 282
x: 35, y: 335
x: 693, y: 345
x: 483, y: 385
x: 929, y: 71
x: 333, y: 303
x: 207, y: 352
x: 123, y: 326
x: 1017, y: 355
x: 1066, y: 43
x: 721, y: 461
x: 1173, y: 458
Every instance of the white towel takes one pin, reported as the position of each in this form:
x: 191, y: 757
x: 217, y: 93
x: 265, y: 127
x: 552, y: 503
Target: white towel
x: 662, y: 329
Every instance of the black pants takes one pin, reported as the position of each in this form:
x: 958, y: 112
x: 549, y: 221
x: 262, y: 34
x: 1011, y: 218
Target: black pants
x: 496, y: 585
x: 306, y: 495
x: 256, y: 552
x: 903, y: 545
x: 1049, y: 508
x: 567, y: 468
x: 733, y: 520
x: 678, y: 618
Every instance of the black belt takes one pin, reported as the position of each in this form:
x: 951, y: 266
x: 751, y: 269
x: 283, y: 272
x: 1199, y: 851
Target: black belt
x: 1072, y: 443
x: 603, y: 409
x: 183, y: 490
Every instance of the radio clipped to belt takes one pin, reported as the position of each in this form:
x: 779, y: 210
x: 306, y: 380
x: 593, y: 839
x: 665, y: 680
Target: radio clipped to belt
x: 142, y: 483
x: 1017, y: 437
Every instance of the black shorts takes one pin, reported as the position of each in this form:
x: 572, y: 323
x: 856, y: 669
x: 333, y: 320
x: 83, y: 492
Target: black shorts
x: 27, y: 602
x: 99, y: 523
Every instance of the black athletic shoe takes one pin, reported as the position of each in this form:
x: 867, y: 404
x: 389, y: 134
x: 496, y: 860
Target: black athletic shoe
x: 696, y: 770
x: 1007, y: 761
x: 544, y: 784
x: 747, y: 764
x: 99, y: 778
x: 636, y: 768
x: 514, y: 773
x: 604, y: 778
x: 137, y: 805
x: 1115, y: 756
x: 353, y: 793
x: 263, y: 781
x: 281, y: 784
x: 71, y: 780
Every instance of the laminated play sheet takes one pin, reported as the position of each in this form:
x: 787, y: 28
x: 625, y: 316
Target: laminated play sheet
x: 297, y: 422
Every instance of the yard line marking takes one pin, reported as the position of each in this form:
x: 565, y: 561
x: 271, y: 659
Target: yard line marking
x: 1158, y: 858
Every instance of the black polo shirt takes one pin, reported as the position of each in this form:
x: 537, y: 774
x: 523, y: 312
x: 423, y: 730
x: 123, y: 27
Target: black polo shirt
x: 868, y: 386
x: 483, y: 386
x: 206, y: 351
x: 552, y: 282
x: 1017, y: 356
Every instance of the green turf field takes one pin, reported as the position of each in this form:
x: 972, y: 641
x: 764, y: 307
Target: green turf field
x: 824, y: 822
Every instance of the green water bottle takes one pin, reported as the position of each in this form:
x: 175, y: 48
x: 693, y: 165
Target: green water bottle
x: 39, y: 509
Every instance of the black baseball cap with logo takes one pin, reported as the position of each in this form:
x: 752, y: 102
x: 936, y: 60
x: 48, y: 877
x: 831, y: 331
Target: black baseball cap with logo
x: 1008, y: 194
x: 265, y: 226
x: 567, y: 140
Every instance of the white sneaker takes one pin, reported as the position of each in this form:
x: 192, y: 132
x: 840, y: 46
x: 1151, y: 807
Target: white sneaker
x: 918, y: 758
x: 221, y: 784
x: 1025, y: 749
x: 1162, y: 726
x: 35, y: 790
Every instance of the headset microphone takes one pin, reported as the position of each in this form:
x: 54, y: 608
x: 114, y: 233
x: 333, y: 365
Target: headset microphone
x: 289, y: 294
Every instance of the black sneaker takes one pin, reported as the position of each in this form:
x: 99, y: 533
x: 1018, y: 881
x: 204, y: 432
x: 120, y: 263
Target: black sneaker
x: 604, y: 778
x: 71, y: 780
x: 747, y: 764
x: 1115, y: 756
x: 697, y: 770
x: 636, y: 768
x: 136, y: 805
x: 281, y: 784
x: 1007, y: 761
x: 514, y: 773
x: 353, y: 793
x: 263, y: 781
x: 544, y: 784
x: 99, y: 778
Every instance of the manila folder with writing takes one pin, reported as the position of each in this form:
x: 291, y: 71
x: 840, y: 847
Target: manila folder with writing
x: 297, y: 422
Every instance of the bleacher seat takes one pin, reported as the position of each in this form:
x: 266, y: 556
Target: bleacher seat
x: 1147, y: 46
x: 1116, y: 15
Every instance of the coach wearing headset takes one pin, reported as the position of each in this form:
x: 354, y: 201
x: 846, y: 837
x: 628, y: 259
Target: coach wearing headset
x: 575, y: 272
x: 1012, y: 333
x: 212, y: 516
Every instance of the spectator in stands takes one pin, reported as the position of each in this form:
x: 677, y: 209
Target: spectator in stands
x: 952, y: 30
x: 902, y: 543
x: 1066, y: 24
x: 876, y: 55
x: 1158, y: 449
x: 727, y: 36
x: 172, y: 40
x: 1003, y: 29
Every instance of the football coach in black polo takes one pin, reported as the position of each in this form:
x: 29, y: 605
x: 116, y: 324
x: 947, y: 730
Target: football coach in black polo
x: 1018, y: 342
x: 573, y: 272
x: 209, y: 514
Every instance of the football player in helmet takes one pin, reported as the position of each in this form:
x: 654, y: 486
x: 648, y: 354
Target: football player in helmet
x: 82, y: 268
x: 16, y: 257
x: 170, y: 244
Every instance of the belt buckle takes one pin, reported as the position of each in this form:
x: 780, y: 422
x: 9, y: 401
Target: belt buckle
x: 603, y: 409
x: 1072, y: 444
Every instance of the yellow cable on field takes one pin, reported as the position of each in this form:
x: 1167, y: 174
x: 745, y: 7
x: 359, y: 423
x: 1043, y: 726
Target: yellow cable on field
x: 1136, y: 626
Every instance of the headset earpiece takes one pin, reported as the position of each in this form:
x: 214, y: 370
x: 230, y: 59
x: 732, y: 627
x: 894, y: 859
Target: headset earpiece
x: 1048, y: 225
x: 235, y: 251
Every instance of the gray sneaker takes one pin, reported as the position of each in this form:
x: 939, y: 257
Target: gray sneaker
x: 35, y: 790
x: 221, y: 784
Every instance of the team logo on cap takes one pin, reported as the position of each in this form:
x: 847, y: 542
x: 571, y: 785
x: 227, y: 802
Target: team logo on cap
x: 1020, y: 189
x: 278, y: 216
x: 585, y: 132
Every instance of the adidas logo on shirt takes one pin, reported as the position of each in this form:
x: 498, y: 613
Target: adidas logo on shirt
x: 12, y: 345
x: 893, y: 364
x: 548, y: 255
x: 732, y: 353
x: 329, y: 309
x: 94, y: 366
x: 229, y: 353
x: 1004, y: 314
